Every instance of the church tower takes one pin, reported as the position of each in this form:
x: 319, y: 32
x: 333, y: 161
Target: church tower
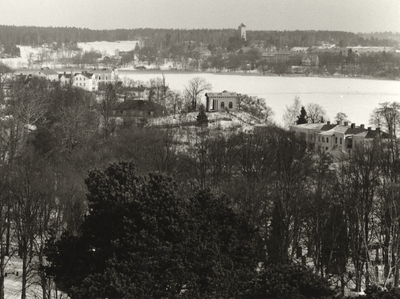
x: 242, y: 31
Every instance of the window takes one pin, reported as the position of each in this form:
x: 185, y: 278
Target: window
x: 340, y: 140
x: 319, y: 138
x: 230, y: 105
x: 326, y: 148
x: 327, y: 139
x: 336, y: 140
x: 222, y: 105
x: 323, y: 139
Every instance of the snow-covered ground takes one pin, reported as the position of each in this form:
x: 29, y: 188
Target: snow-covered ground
x: 13, y: 283
x: 109, y: 47
x: 28, y: 52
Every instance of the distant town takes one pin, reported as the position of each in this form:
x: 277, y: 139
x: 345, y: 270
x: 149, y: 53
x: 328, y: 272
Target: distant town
x: 306, y: 53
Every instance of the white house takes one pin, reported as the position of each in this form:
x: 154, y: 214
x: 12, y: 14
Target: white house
x: 106, y: 75
x: 86, y: 81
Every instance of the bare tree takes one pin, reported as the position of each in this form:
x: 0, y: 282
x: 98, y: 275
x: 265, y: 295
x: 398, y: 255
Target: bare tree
x: 174, y: 102
x: 108, y: 100
x: 341, y: 117
x: 387, y: 116
x: 291, y: 113
x: 315, y: 113
x: 194, y: 88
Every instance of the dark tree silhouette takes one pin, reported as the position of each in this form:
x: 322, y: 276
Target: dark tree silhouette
x: 142, y: 240
x: 302, y: 118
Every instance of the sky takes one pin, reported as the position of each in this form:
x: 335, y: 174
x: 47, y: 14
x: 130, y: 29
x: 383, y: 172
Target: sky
x: 343, y: 15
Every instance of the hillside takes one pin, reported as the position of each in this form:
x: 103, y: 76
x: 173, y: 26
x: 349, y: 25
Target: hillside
x: 222, y: 121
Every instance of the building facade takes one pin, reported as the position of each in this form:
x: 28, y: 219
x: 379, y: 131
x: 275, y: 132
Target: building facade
x: 86, y: 81
x: 221, y: 101
x: 336, y: 138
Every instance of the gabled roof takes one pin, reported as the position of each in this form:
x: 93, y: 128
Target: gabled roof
x: 67, y: 76
x: 220, y: 94
x: 85, y: 74
x: 371, y: 134
x: 315, y: 126
x: 354, y: 131
x: 242, y: 25
x: 328, y: 127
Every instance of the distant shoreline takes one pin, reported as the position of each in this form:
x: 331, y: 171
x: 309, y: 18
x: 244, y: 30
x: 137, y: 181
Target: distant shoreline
x: 123, y: 71
x: 160, y: 72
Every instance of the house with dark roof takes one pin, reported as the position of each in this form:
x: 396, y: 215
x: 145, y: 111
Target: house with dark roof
x: 86, y: 81
x: 310, y: 60
x: 65, y: 78
x: 337, y: 138
x: 48, y: 74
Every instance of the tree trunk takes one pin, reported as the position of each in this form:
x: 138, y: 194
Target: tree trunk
x: 2, y: 272
x: 24, y: 275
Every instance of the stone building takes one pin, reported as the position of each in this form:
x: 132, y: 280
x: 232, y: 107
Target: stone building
x: 221, y: 101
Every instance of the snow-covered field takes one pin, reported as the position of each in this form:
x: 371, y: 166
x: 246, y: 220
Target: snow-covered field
x: 102, y: 47
x: 109, y: 47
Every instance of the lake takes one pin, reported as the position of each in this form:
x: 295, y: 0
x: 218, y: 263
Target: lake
x: 355, y: 97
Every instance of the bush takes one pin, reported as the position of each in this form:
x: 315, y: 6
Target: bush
x: 202, y: 119
x: 289, y: 282
x: 375, y: 292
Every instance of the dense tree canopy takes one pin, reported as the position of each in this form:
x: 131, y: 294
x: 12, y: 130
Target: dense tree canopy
x: 143, y: 240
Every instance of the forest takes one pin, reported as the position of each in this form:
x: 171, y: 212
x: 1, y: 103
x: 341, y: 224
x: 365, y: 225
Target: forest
x: 165, y: 38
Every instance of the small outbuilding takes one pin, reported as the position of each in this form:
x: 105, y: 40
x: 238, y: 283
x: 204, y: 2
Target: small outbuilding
x: 221, y: 101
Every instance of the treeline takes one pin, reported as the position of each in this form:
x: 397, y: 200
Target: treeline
x: 165, y: 38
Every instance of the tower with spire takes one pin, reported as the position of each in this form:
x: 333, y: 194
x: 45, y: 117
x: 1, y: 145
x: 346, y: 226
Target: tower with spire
x: 242, y: 31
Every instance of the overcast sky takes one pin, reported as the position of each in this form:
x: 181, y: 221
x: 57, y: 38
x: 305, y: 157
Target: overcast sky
x: 344, y: 15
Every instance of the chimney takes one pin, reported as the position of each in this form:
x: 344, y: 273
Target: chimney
x: 328, y: 122
x: 353, y: 125
x: 369, y: 129
x: 378, y: 130
x: 346, y: 123
x: 362, y: 127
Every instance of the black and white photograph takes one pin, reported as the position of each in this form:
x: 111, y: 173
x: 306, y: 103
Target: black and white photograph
x: 185, y: 149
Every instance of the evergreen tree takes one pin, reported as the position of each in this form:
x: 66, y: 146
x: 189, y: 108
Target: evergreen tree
x: 302, y: 118
x: 202, y: 118
x: 143, y: 240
